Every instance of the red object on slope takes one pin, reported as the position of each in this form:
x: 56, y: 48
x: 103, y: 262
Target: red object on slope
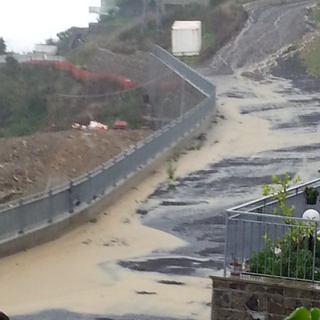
x: 83, y: 75
x: 120, y: 125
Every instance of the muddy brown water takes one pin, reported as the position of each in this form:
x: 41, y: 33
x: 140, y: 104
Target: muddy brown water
x: 129, y: 265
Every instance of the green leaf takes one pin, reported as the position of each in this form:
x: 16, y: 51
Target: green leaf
x: 315, y: 314
x: 300, y: 314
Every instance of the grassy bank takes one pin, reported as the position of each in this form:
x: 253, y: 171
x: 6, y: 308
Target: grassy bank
x: 219, y: 24
x: 310, y: 57
x: 41, y: 98
x: 315, y: 14
x: 310, y: 54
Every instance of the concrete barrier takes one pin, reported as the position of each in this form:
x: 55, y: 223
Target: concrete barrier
x: 68, y: 222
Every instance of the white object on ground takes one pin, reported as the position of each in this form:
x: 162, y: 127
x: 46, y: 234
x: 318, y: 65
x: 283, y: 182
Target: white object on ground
x: 97, y: 125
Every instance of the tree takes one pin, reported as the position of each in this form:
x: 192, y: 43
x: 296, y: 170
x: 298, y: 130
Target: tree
x: 12, y: 65
x: 3, y: 46
x: 50, y: 42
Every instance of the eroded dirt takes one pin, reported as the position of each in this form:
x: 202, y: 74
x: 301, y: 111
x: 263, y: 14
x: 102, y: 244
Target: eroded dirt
x: 41, y: 161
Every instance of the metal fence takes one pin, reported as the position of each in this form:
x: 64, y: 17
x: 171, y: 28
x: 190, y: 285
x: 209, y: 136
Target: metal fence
x: 259, y: 242
x: 39, y: 210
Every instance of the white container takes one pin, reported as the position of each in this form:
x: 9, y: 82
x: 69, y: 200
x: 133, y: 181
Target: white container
x: 186, y: 38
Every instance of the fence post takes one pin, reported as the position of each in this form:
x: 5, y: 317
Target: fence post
x: 21, y: 220
x: 115, y: 180
x: 90, y: 187
x: 127, y: 164
x: 50, y: 206
x: 104, y: 170
x: 225, y: 245
x: 314, y: 250
x: 71, y: 197
x: 182, y: 97
x: 296, y: 197
x: 136, y: 167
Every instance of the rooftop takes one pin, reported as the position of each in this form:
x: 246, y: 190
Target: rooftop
x: 181, y: 25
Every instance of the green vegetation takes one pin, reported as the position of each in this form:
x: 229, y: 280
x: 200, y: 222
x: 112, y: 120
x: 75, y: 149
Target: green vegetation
x: 219, y: 22
x: 279, y: 191
x: 310, y: 54
x: 122, y: 31
x: 315, y: 14
x: 41, y: 98
x: 125, y: 106
x: 311, y: 195
x: 113, y: 22
x: 292, y: 255
x: 25, y: 92
x: 304, y: 314
x: 310, y: 57
x: 81, y: 55
x: 3, y: 46
x: 208, y: 44
x: 171, y: 171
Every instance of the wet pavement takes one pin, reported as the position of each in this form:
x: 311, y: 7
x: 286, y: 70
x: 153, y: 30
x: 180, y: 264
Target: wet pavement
x: 254, y: 85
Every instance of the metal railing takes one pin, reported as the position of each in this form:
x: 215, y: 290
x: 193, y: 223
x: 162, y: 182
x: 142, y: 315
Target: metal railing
x: 258, y: 242
x: 266, y: 205
x: 45, y: 208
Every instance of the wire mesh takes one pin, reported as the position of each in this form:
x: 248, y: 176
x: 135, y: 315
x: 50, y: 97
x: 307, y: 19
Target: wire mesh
x: 273, y: 246
x: 52, y: 96
x: 170, y: 97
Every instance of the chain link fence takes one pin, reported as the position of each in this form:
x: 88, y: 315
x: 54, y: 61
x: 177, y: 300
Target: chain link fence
x: 176, y: 99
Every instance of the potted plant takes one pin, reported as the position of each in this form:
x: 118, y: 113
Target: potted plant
x: 311, y: 195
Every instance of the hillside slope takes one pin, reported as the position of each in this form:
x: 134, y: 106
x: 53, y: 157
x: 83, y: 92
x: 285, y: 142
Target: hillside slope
x: 43, y: 160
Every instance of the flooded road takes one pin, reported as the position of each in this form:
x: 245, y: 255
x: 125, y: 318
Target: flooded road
x: 149, y: 256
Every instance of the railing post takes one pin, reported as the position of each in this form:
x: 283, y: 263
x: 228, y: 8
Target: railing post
x: 50, y: 211
x: 314, y: 250
x: 21, y: 217
x: 115, y: 181
x: 90, y: 187
x: 104, y: 188
x: 225, y: 245
x: 182, y: 102
x: 71, y: 209
x: 296, y: 197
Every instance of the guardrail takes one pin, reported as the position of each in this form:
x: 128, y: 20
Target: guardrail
x: 266, y: 205
x: 259, y: 242
x: 273, y: 246
x: 46, y: 208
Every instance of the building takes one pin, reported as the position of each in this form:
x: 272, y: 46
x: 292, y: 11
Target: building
x: 105, y: 8
x: 45, y: 50
x: 167, y: 3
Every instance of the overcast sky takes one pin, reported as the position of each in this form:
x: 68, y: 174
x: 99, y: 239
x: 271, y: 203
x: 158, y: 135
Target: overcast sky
x: 26, y: 22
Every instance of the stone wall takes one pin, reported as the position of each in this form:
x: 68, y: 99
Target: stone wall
x: 248, y: 298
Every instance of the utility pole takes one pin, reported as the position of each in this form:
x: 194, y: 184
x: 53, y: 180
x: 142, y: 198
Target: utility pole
x: 159, y: 16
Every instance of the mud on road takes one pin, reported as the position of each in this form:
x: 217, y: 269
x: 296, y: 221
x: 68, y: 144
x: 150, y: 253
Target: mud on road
x: 269, y: 124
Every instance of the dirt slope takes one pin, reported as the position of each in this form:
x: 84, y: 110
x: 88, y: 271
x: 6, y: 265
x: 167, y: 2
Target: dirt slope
x: 38, y: 162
